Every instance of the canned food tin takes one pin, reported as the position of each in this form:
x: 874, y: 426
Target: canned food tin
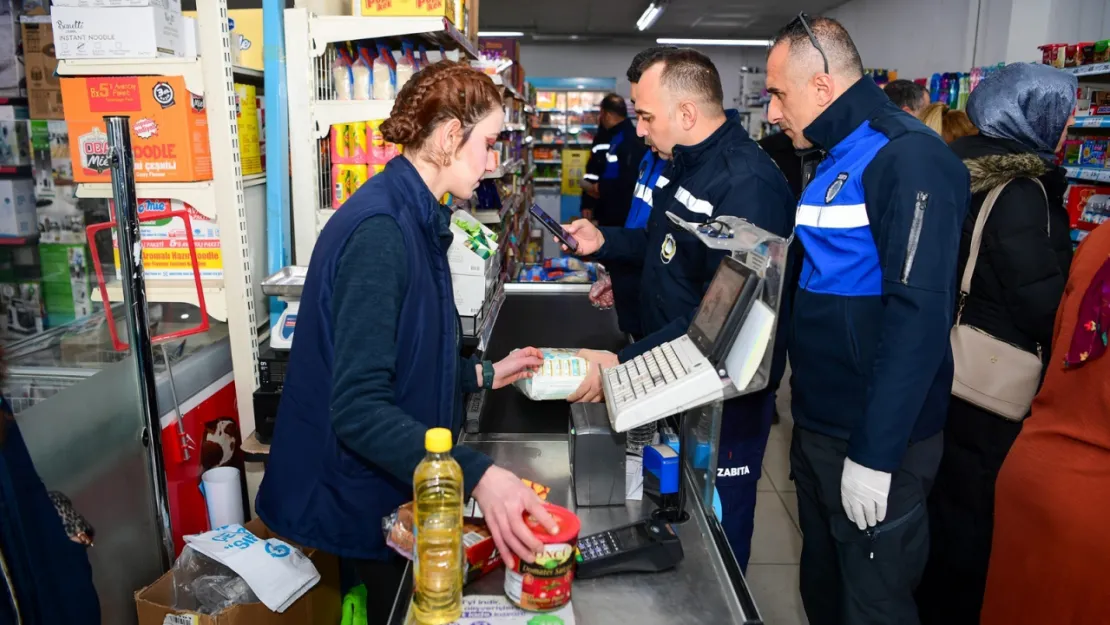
x: 545, y: 584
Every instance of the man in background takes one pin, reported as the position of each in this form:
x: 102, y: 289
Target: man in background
x: 907, y: 95
x: 594, y: 168
x: 617, y: 181
x: 870, y: 357
x: 714, y: 169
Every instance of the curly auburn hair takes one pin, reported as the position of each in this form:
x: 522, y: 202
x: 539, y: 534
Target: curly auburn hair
x: 438, y: 93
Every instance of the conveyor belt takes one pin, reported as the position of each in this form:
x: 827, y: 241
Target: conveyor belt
x: 542, y: 320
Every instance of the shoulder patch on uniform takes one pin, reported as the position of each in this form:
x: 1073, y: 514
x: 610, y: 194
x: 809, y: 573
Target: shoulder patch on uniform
x: 836, y: 186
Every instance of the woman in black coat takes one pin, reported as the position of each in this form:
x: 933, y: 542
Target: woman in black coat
x: 1019, y: 279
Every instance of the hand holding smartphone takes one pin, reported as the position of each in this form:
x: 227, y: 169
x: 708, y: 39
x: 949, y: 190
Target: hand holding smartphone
x: 555, y: 228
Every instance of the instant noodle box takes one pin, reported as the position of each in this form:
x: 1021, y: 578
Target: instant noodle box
x: 169, y: 127
x: 451, y: 9
x: 166, y: 246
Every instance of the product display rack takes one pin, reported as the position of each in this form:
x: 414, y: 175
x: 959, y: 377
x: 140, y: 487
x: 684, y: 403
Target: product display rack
x: 225, y: 196
x: 310, y: 41
x: 559, y: 125
x: 1088, y: 127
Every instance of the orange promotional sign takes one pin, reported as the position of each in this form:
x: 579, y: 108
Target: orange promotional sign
x: 169, y: 127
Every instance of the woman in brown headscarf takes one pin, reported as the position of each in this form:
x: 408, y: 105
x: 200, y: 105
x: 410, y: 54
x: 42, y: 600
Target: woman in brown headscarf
x: 1052, y: 505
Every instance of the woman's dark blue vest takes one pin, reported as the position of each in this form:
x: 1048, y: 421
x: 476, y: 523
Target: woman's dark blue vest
x: 316, y: 491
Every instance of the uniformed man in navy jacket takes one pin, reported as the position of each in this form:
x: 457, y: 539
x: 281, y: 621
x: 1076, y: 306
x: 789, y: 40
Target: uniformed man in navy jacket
x: 714, y: 168
x: 872, y: 366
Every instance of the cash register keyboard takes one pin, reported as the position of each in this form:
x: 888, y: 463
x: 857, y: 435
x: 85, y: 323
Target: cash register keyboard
x: 659, y: 383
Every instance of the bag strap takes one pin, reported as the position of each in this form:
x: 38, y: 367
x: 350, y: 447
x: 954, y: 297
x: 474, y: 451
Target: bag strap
x: 977, y: 237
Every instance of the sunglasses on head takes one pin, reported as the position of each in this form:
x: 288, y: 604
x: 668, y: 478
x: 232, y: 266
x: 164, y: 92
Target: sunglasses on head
x: 803, y: 19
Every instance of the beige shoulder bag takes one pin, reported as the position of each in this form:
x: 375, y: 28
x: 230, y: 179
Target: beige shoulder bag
x: 990, y: 373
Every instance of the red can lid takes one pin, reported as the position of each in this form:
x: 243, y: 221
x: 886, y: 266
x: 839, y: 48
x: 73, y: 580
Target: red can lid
x: 568, y: 523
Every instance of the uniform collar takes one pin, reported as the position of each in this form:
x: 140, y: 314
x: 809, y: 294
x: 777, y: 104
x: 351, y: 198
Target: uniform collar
x: 694, y: 155
x: 624, y: 127
x: 844, y: 115
x: 409, y: 180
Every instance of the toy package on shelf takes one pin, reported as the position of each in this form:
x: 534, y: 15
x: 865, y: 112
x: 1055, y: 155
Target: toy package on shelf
x: 1087, y: 202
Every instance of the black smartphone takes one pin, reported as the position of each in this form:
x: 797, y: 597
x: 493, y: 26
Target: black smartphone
x: 555, y: 228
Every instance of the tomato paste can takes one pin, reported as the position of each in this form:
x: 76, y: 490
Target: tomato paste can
x: 544, y: 585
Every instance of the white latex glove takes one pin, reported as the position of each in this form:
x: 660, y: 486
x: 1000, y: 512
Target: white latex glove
x: 863, y: 494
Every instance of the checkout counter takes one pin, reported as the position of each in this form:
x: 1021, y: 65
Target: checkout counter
x: 532, y: 440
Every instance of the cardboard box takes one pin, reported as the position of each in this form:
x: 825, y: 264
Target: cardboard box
x: 461, y: 259
x: 43, y: 90
x: 15, y: 139
x: 319, y: 606
x: 118, y: 33
x: 246, y: 27
x: 17, y: 208
x: 169, y: 128
x: 166, y: 247
x: 470, y: 293
x: 13, y: 83
x: 408, y: 8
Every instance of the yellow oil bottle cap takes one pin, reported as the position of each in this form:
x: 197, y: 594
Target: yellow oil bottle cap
x: 438, y: 440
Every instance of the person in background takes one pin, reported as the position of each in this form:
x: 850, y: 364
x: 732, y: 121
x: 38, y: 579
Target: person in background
x: 949, y: 124
x: 622, y: 159
x: 47, y: 578
x: 594, y: 168
x: 907, y: 95
x: 376, y: 361
x: 1050, y: 555
x: 1023, y: 112
x: 871, y: 363
x: 714, y: 168
x: 781, y: 149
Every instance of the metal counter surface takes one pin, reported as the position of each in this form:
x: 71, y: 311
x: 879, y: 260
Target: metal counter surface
x: 698, y: 590
x: 542, y: 316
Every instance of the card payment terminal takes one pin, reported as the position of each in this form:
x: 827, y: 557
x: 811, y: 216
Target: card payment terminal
x: 648, y: 546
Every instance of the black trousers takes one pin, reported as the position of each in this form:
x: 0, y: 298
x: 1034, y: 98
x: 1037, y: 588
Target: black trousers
x: 961, y: 515
x: 382, y: 580
x: 853, y: 577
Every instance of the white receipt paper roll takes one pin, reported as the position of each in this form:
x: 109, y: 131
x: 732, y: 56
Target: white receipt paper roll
x: 223, y: 493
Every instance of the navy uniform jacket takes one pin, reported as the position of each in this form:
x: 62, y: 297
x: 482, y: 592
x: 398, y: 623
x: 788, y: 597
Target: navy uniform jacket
x: 727, y: 174
x: 596, y: 165
x: 880, y: 227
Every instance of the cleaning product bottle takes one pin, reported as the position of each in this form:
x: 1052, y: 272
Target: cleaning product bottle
x: 438, y: 523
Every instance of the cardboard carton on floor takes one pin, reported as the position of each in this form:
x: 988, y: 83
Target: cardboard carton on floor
x: 320, y: 606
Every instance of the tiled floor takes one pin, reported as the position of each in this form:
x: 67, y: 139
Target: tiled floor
x: 777, y: 543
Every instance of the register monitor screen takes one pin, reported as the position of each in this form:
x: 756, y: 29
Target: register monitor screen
x: 723, y: 308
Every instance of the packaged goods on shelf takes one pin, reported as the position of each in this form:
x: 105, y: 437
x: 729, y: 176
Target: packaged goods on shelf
x: 1088, y: 202
x: 43, y: 92
x: 169, y: 127
x: 1099, y: 102
x: 451, y: 9
x: 1065, y: 55
x: 250, y: 151
x: 357, y: 152
x: 21, y: 300
x: 119, y: 32
x: 1092, y: 153
x: 166, y: 246
x: 15, y: 141
x: 11, y: 65
x: 368, y: 70
x: 1070, y: 152
x: 474, y: 263
x: 17, y: 208
x: 245, y: 30
x: 563, y: 269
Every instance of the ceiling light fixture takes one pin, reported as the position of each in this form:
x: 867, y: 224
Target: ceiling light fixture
x: 498, y: 33
x: 651, y: 15
x: 714, y: 42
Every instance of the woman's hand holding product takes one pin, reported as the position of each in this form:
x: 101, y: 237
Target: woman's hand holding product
x: 504, y: 499
x: 588, y: 236
x: 591, y: 389
x: 518, y: 365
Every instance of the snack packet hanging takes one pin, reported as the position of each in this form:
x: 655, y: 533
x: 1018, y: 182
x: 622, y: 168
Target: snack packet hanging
x: 559, y: 377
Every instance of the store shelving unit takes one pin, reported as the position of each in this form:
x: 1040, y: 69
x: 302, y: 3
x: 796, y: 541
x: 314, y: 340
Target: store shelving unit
x: 310, y: 42
x: 1089, y: 174
x: 1096, y: 69
x: 225, y: 196
x: 1094, y: 126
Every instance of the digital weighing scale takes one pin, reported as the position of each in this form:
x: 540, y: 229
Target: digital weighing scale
x: 286, y: 285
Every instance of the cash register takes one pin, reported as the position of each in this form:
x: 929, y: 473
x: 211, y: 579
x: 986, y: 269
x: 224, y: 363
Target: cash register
x: 727, y: 339
x: 286, y: 285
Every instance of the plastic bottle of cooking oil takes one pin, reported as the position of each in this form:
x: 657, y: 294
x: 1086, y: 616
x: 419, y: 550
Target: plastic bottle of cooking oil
x: 437, y: 491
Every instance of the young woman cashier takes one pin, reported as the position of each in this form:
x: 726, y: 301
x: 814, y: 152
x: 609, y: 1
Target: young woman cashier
x: 376, y: 359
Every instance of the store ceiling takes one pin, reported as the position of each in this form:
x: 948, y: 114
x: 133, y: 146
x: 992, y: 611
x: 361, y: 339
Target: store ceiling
x: 595, y: 20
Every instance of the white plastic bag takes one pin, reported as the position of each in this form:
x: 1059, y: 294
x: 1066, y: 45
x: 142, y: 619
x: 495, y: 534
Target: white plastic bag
x: 559, y: 377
